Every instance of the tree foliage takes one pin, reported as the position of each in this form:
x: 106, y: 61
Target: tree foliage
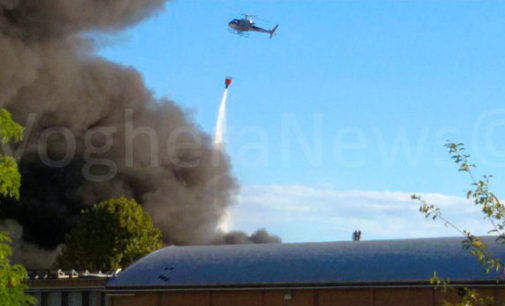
x: 492, y: 209
x: 9, y: 129
x: 12, y: 288
x: 10, y: 179
x: 111, y: 235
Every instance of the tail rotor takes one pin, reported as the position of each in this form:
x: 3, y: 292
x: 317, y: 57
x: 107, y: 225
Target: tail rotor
x: 272, y: 31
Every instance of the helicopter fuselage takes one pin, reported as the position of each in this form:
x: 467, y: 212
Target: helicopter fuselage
x: 245, y: 25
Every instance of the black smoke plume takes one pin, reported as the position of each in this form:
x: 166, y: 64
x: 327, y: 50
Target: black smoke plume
x: 239, y: 237
x: 94, y: 131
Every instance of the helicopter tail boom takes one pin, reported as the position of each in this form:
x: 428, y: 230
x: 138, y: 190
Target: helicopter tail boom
x: 272, y: 31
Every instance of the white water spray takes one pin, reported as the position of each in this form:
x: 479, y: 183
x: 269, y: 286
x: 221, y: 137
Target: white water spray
x: 220, y: 132
x: 219, y: 140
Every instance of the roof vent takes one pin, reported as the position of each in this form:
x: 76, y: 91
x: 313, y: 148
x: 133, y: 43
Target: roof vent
x: 62, y: 274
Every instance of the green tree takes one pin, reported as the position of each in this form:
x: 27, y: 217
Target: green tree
x: 111, y: 235
x: 12, y: 288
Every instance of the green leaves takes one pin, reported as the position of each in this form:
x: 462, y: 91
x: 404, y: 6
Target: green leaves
x: 10, y: 179
x: 111, y: 235
x: 9, y: 130
x: 12, y: 288
x: 469, y: 297
x: 11, y: 277
x: 456, y: 149
x: 492, y: 209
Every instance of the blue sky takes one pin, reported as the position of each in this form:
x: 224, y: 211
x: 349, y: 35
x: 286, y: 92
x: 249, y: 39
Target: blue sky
x: 349, y: 96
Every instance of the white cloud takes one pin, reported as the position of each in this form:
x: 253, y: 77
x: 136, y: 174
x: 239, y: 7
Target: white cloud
x: 300, y: 213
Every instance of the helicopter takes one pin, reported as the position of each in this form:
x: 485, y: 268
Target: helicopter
x: 246, y: 24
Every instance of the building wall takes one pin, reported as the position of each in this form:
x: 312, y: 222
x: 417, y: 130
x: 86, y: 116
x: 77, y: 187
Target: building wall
x: 68, y: 292
x: 66, y: 298
x: 317, y: 297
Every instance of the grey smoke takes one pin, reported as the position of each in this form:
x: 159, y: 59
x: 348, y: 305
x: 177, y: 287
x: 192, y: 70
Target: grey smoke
x: 49, y: 72
x: 94, y: 132
x: 30, y: 254
x: 239, y: 237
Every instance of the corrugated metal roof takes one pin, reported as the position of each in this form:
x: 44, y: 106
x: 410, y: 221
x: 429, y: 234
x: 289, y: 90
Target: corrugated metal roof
x: 327, y: 263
